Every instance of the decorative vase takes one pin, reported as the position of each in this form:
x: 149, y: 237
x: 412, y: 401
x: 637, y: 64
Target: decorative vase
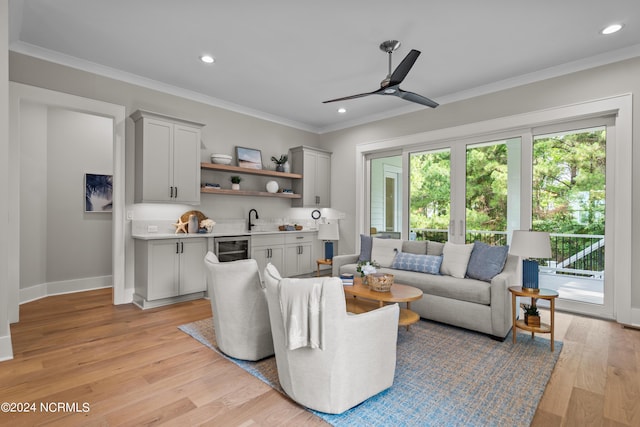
x: 272, y: 187
x: 279, y: 168
x: 235, y: 186
x: 287, y: 168
x: 192, y: 227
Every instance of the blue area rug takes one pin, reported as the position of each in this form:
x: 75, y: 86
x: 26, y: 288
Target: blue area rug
x: 445, y: 376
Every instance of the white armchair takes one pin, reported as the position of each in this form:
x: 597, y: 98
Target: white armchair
x: 239, y: 306
x: 358, y: 355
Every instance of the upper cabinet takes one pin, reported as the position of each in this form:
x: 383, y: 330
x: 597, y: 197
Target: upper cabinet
x: 315, y: 186
x: 167, y: 159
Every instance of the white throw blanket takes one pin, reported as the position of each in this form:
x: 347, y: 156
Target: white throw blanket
x: 301, y: 306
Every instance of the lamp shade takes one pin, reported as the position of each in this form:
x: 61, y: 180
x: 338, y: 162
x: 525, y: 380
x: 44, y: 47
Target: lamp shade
x: 328, y: 231
x: 531, y: 244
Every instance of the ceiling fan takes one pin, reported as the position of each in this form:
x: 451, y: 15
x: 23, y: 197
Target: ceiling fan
x: 391, y: 84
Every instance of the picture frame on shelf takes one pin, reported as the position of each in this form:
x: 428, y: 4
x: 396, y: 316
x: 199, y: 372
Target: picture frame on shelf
x: 249, y: 158
x: 98, y: 193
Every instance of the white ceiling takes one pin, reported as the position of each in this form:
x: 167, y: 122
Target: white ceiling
x: 280, y: 59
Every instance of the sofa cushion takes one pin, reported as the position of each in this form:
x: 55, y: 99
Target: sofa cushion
x: 365, y: 248
x: 422, y: 263
x: 434, y: 248
x: 418, y: 247
x: 469, y: 290
x: 486, y: 261
x: 455, y: 259
x: 383, y: 251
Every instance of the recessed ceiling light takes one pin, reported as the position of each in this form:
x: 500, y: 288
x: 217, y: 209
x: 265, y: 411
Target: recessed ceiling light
x: 342, y: 110
x: 207, y: 59
x: 613, y: 28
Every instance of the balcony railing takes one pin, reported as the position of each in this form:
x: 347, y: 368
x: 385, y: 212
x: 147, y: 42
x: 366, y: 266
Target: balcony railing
x: 579, y: 255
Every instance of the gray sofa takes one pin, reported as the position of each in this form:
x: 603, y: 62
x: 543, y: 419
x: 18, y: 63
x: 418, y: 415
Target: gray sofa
x: 479, y: 305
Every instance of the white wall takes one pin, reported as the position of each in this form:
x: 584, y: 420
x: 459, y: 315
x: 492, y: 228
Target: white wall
x: 601, y: 82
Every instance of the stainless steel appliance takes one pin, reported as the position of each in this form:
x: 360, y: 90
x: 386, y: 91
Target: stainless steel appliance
x: 232, y: 248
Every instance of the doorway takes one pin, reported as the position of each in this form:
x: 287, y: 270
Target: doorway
x: 20, y: 94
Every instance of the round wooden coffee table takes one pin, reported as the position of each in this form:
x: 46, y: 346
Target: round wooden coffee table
x: 361, y: 299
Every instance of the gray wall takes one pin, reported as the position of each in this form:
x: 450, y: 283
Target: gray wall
x: 58, y: 240
x: 601, y: 82
x: 5, y: 338
x: 223, y: 131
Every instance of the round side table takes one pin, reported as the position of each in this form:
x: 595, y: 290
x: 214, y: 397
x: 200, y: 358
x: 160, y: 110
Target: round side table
x: 546, y: 294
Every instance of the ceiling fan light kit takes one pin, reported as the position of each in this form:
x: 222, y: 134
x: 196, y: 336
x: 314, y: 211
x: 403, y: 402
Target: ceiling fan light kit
x: 391, y: 84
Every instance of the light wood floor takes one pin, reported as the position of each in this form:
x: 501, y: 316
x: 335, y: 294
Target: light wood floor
x: 134, y: 367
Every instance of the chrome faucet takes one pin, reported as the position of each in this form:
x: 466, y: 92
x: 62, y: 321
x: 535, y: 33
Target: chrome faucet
x: 257, y: 217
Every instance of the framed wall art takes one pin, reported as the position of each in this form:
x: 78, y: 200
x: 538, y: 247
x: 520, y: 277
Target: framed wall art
x: 249, y: 158
x: 98, y: 192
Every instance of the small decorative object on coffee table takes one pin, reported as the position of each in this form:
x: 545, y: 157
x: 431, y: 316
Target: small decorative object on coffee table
x: 380, y: 282
x: 365, y: 268
x: 542, y: 328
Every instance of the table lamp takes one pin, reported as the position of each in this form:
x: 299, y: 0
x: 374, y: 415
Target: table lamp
x: 530, y: 244
x: 328, y: 232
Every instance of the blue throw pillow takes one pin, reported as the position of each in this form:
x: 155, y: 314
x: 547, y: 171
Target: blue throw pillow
x: 421, y: 263
x: 486, y: 261
x: 366, y: 243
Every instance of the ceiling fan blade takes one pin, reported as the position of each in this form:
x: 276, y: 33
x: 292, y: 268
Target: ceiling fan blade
x: 360, y: 95
x: 414, y: 97
x: 403, y: 69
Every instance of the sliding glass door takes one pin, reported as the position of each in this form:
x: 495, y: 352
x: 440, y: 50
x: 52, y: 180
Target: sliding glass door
x: 569, y: 201
x: 385, y: 196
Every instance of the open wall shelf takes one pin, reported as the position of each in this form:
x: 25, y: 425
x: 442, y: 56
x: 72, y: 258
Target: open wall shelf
x: 237, y: 169
x: 249, y: 193
x: 247, y: 171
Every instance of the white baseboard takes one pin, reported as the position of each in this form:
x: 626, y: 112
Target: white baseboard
x: 6, y: 349
x: 64, y: 287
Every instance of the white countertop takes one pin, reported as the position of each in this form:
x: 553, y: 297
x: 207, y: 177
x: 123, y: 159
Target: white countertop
x: 154, y: 236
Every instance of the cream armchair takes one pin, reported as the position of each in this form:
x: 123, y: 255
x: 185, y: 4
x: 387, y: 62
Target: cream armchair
x: 239, y: 306
x: 358, y: 355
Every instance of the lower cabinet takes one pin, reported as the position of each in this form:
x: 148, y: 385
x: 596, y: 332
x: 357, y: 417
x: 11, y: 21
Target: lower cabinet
x: 298, y: 254
x: 169, y: 271
x: 291, y: 254
x: 267, y: 249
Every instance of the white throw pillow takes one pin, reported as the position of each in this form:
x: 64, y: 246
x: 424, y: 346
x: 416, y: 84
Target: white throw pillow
x: 383, y: 251
x: 455, y: 259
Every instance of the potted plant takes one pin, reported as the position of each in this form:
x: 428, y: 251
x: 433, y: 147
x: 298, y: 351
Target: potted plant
x: 366, y: 267
x: 531, y: 315
x: 235, y: 182
x: 280, y: 162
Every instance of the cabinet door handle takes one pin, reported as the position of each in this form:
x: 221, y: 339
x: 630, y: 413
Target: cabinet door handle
x: 181, y: 247
x: 171, y: 192
x: 176, y: 195
x: 177, y: 247
x: 317, y: 200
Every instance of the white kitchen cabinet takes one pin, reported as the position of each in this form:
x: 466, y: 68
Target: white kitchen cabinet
x: 169, y: 270
x: 315, y: 167
x: 167, y: 158
x: 299, y: 254
x: 268, y: 249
